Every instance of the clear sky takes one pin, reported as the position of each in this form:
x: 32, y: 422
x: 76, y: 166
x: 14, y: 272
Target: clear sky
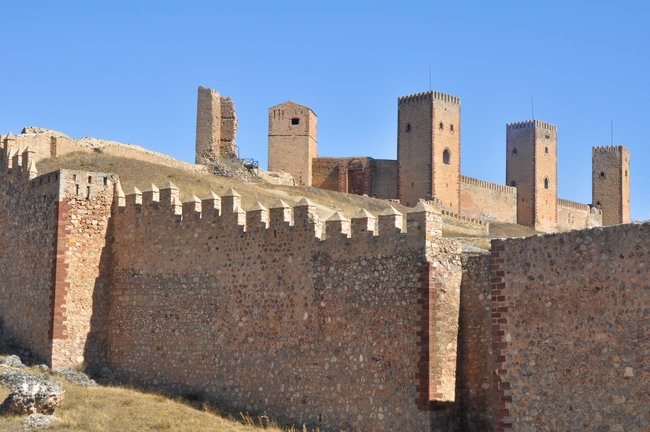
x: 128, y: 71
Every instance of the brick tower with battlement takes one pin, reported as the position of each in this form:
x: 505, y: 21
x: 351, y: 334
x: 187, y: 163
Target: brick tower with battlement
x: 216, y: 126
x: 531, y: 167
x: 610, y: 176
x: 428, y: 148
x: 292, y: 141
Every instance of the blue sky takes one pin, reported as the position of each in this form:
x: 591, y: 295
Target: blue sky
x: 128, y: 71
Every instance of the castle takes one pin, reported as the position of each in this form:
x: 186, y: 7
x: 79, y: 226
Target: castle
x: 428, y: 167
x: 377, y: 322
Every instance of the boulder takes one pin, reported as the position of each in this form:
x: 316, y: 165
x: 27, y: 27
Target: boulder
x: 38, y: 421
x: 11, y: 377
x: 75, y: 377
x: 35, y: 396
x: 11, y: 361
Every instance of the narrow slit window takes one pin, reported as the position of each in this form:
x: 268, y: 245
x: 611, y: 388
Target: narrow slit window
x: 87, y: 192
x: 514, y: 151
x: 545, y: 182
x: 440, y: 126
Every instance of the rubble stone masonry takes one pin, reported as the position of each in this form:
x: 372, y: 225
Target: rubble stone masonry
x: 345, y: 333
x: 571, y: 330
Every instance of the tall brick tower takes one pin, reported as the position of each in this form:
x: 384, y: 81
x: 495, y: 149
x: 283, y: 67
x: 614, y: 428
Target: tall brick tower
x: 531, y: 166
x: 216, y: 126
x: 610, y: 179
x: 292, y: 140
x: 428, y: 148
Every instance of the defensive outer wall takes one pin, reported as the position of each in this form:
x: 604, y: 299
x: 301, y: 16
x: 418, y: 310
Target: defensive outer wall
x: 355, y: 325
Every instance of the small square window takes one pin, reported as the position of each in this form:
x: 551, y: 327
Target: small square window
x: 295, y: 121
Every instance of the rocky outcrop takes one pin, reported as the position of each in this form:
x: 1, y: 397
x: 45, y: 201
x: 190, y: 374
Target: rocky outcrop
x: 34, y: 396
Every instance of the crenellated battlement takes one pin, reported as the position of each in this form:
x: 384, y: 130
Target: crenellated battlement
x: 574, y: 204
x: 607, y: 149
x: 532, y: 123
x: 429, y: 95
x: 161, y: 206
x: 488, y: 185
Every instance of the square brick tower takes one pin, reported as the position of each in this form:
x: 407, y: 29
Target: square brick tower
x: 428, y: 148
x: 292, y: 140
x: 216, y: 126
x: 610, y: 179
x: 531, y: 166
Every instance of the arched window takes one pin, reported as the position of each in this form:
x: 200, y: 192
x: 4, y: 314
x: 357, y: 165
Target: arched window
x: 408, y: 127
x: 440, y: 126
x: 446, y: 157
x: 514, y: 151
x: 602, y: 175
x: 513, y: 183
x: 545, y: 182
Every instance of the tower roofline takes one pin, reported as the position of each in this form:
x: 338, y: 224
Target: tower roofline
x: 290, y: 102
x: 531, y: 123
x: 431, y: 94
x: 608, y: 149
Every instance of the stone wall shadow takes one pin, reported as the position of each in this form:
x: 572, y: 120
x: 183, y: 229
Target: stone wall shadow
x: 95, y: 351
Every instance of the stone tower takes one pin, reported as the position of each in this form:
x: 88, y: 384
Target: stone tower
x: 292, y: 140
x: 610, y: 177
x: 428, y: 148
x: 531, y: 166
x: 216, y: 126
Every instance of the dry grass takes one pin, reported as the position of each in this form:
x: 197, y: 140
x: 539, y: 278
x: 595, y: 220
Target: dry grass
x: 141, y: 174
x: 109, y: 409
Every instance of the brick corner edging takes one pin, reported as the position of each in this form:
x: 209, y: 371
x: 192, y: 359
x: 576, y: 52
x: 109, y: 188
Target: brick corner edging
x: 502, y: 399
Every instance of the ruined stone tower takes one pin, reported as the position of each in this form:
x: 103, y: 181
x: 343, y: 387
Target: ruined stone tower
x: 610, y: 177
x: 531, y: 166
x: 428, y: 148
x: 216, y: 126
x: 292, y: 140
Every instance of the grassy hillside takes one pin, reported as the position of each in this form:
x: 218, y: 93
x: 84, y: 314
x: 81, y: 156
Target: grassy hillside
x: 110, y: 409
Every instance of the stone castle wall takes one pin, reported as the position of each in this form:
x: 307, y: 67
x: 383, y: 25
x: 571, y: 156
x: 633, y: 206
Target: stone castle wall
x: 326, y: 174
x: 571, y: 330
x: 28, y: 216
x: 574, y: 215
x: 275, y: 319
x: 54, y: 229
x: 485, y: 200
x: 384, y: 178
x: 475, y: 364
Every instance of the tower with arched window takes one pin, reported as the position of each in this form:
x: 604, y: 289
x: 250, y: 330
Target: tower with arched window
x: 531, y: 166
x: 428, y: 148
